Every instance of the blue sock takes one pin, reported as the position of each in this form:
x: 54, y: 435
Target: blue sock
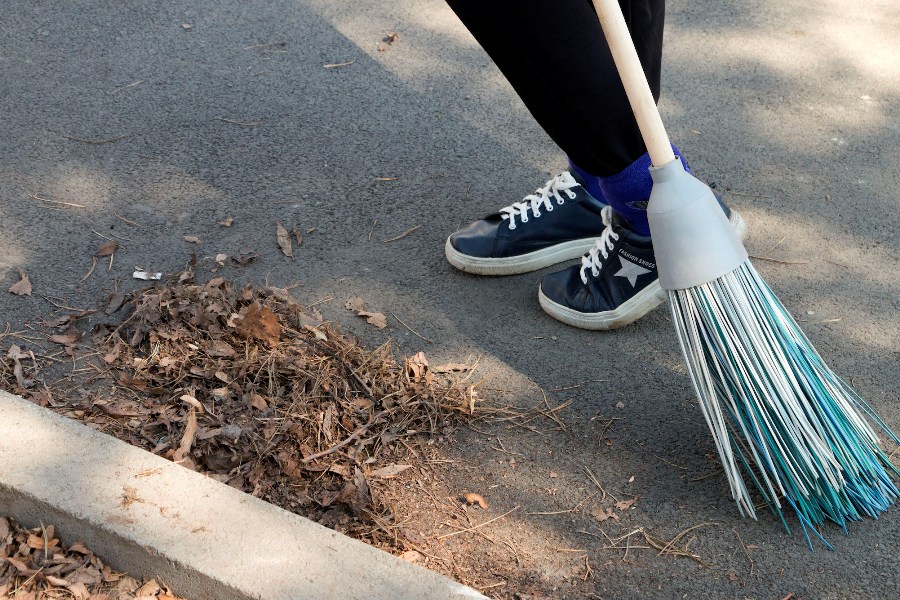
x: 628, y: 191
x: 591, y: 182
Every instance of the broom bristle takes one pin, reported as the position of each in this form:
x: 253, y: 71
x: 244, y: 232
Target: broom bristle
x: 775, y: 409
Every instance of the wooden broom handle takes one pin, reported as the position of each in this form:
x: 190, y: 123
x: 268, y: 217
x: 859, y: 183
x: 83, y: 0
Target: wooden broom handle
x: 635, y: 82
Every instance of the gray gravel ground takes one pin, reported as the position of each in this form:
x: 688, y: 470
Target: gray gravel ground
x: 792, y: 105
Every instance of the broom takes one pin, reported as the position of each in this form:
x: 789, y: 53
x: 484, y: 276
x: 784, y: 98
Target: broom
x: 776, y: 411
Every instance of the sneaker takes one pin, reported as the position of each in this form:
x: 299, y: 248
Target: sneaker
x: 616, y: 283
x: 558, y: 222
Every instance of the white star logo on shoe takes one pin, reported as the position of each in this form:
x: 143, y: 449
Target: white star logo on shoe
x: 630, y: 270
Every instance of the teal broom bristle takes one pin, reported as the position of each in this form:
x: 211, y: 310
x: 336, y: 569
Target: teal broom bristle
x: 775, y: 409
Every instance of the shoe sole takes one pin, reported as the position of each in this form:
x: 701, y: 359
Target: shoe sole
x: 515, y: 265
x: 630, y: 311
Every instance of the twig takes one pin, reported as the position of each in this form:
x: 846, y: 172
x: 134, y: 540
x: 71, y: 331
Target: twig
x: 779, y: 261
x: 744, y: 546
x: 560, y: 512
x: 593, y: 479
x: 671, y: 464
x: 93, y: 266
x: 707, y: 476
x: 402, y: 235
x: 125, y: 87
x: 778, y: 243
x: 323, y: 300
x: 46, y: 541
x: 241, y: 123
x: 341, y: 64
x: 502, y: 448
x: 83, y: 310
x: 355, y: 436
x: 106, y: 237
x: 748, y: 195
x: 372, y: 228
x: 96, y: 142
x: 577, y: 385
x: 765, y: 255
x: 471, y: 529
x: 410, y: 328
x: 549, y: 414
x: 64, y: 203
x: 121, y: 218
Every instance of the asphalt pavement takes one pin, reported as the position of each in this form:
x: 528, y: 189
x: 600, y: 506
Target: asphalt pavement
x: 148, y: 122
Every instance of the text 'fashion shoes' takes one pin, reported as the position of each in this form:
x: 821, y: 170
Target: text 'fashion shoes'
x: 558, y: 222
x: 616, y: 283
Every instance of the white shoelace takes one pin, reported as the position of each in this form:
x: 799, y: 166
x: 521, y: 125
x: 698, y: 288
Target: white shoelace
x: 602, y: 246
x: 540, y: 199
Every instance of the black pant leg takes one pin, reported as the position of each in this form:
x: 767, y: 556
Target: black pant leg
x: 555, y: 56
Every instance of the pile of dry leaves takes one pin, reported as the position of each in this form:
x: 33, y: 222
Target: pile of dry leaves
x: 253, y: 389
x: 35, y: 565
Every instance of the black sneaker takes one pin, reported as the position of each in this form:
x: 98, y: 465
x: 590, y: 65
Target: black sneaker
x: 616, y: 283
x: 559, y: 222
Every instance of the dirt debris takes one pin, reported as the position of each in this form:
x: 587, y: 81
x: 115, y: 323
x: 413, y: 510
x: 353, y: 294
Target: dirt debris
x: 253, y: 389
x: 34, y: 565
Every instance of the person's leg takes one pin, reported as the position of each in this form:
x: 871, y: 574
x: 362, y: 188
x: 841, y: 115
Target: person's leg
x: 554, y: 55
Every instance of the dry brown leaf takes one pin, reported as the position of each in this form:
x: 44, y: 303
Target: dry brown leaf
x: 626, y: 504
x: 258, y: 402
x: 151, y: 588
x: 355, y: 304
x: 21, y: 287
x: 192, y: 401
x: 220, y: 349
x: 113, y: 355
x: 284, y: 240
x: 376, y: 319
x: 227, y: 221
x: 79, y: 548
x: 473, y: 498
x: 20, y: 566
x: 187, y: 440
x: 107, y: 248
x: 65, y: 339
x: 79, y: 590
x: 298, y: 235
x: 389, y: 471
x: 259, y: 322
x: 191, y: 239
x: 358, y: 305
x: 391, y: 37
x: 603, y: 514
x: 412, y: 556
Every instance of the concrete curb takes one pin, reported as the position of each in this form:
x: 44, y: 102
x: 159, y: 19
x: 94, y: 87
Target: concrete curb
x: 150, y: 517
